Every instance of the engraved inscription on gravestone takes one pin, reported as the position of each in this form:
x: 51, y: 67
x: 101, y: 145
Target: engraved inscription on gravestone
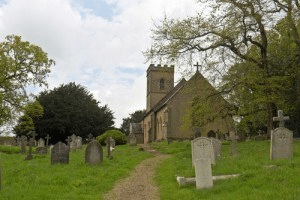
x: 93, y: 153
x: 60, y: 153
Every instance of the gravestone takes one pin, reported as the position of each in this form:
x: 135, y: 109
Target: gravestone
x: 203, y: 173
x: 281, y: 139
x: 217, y: 145
x: 233, y: 138
x: 33, y: 133
x: 68, y: 140
x: 202, y: 158
x: 30, y: 156
x: 93, y: 153
x: 202, y: 148
x: 23, y: 144
x: 79, y: 142
x: 60, y: 153
x: 73, y: 143
x: 41, y: 142
x: 90, y: 136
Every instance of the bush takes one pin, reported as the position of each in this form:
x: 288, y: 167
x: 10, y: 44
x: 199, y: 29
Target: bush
x: 117, y: 135
x: 9, y: 149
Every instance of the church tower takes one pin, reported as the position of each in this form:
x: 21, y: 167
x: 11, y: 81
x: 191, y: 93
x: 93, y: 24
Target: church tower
x: 160, y: 81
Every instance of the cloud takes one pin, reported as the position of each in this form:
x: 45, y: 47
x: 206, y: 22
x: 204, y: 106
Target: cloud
x: 104, y: 55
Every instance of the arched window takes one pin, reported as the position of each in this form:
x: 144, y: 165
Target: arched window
x: 162, y: 84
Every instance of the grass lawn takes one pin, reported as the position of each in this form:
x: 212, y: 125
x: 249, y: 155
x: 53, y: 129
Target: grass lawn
x: 38, y: 179
x: 255, y: 182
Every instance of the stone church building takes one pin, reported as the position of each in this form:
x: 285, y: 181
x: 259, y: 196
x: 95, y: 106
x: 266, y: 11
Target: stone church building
x: 168, y: 108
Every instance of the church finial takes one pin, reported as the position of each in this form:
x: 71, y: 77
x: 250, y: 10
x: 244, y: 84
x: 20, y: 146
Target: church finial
x: 197, y: 65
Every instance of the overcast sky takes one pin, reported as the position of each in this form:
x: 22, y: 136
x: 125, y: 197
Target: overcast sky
x: 95, y: 43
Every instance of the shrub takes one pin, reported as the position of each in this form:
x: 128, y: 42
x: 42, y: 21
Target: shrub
x: 117, y: 135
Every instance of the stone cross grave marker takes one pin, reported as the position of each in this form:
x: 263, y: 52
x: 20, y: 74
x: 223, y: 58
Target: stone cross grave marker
x: 47, y: 140
x: 18, y: 141
x: 281, y: 139
x: 41, y: 142
x: 234, y: 149
x: 60, y: 153
x: 23, y: 144
x: 73, y: 143
x: 93, y: 153
x: 79, y: 142
x: 217, y: 145
x: 31, y: 143
x: 202, y: 158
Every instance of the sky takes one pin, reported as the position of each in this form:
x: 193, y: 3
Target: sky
x: 95, y: 43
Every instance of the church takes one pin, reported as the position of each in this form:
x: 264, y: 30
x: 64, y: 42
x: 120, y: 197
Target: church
x: 168, y: 108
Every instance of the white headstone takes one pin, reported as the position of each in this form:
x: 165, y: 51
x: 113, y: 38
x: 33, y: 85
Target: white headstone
x: 79, y: 142
x: 41, y: 142
x: 73, y: 144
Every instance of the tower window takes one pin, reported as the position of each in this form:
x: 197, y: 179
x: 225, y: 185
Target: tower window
x: 162, y: 84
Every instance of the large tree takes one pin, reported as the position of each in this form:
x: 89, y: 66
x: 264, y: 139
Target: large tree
x: 71, y: 109
x: 222, y: 38
x: 134, y: 117
x: 21, y: 64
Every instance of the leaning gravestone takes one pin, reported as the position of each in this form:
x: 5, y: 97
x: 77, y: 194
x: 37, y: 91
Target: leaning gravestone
x: 217, y: 145
x: 93, y: 153
x: 281, y: 139
x: 60, y: 153
x: 202, y: 158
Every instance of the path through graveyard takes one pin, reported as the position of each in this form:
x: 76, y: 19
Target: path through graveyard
x: 140, y: 184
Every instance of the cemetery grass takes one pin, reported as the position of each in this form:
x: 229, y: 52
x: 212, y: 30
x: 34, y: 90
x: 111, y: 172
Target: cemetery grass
x: 38, y: 179
x: 260, y: 177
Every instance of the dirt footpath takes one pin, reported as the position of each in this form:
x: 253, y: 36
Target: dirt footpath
x: 140, y: 184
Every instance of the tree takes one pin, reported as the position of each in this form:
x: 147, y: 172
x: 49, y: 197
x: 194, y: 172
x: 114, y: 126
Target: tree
x: 134, y: 117
x: 223, y: 38
x: 25, y: 125
x: 71, y: 109
x: 21, y: 64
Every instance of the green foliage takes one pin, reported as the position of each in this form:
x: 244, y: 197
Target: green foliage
x: 135, y: 117
x: 21, y: 64
x: 117, y: 135
x: 38, y: 179
x: 25, y: 125
x: 71, y: 109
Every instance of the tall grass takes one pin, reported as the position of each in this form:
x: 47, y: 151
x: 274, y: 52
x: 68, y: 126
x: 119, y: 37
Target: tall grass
x: 38, y: 179
x: 260, y: 177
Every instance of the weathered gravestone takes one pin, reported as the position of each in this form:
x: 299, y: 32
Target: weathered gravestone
x: 79, y: 142
x: 41, y: 142
x: 202, y: 148
x: 217, y: 145
x: 68, y: 140
x: 202, y: 158
x: 281, y: 139
x: 93, y: 153
x: 90, y: 136
x: 23, y: 144
x: 60, y: 153
x: 73, y: 143
x: 41, y: 150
